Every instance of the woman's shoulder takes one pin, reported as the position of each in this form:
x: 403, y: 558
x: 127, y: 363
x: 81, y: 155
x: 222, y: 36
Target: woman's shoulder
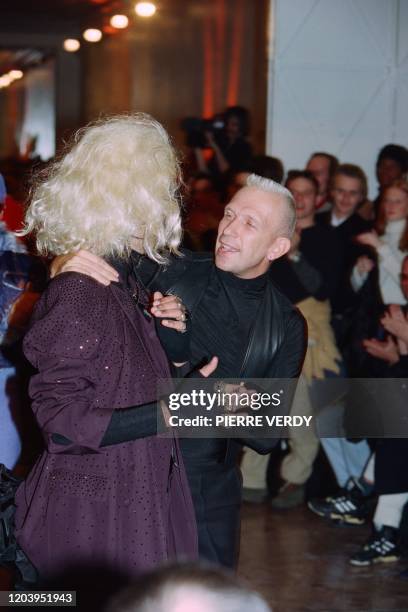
x: 70, y: 318
x: 75, y: 293
x: 75, y: 283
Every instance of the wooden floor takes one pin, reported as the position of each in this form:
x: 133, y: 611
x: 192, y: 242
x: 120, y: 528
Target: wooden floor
x: 299, y: 562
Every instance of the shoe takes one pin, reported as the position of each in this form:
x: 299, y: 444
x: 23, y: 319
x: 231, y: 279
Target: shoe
x: 254, y: 496
x: 289, y: 496
x: 348, y: 506
x: 382, y: 547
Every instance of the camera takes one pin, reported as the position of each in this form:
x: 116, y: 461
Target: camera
x: 195, y: 128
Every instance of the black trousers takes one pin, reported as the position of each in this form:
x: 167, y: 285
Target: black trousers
x: 216, y: 491
x: 391, y: 461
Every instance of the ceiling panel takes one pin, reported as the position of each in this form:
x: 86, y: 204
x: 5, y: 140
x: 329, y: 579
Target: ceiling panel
x: 59, y: 15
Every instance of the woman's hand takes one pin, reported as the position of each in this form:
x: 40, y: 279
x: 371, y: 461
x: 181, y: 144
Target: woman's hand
x: 210, y: 140
x: 364, y: 265
x: 209, y: 368
x: 84, y: 262
x: 171, y: 309
x: 369, y: 239
x: 396, y: 323
x: 386, y: 350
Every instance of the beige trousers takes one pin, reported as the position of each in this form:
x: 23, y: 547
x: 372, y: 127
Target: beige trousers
x: 303, y: 444
x: 253, y: 467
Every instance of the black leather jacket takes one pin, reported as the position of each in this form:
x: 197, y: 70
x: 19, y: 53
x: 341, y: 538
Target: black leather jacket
x: 276, y: 348
x: 278, y: 322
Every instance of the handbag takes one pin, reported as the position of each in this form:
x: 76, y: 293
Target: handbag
x: 11, y: 555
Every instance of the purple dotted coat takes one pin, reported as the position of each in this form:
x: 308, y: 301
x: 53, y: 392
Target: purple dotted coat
x: 96, y: 352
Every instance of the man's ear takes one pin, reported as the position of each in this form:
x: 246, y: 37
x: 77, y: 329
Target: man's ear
x: 280, y: 247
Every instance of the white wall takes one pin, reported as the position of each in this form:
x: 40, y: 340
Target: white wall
x: 338, y: 79
x: 67, y: 86
x: 39, y: 110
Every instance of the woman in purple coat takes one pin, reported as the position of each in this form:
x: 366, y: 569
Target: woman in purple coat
x: 127, y: 505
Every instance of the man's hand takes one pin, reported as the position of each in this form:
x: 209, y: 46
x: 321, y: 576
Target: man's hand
x: 232, y: 403
x: 396, y: 323
x: 171, y: 309
x: 85, y: 262
x: 386, y: 350
x: 209, y: 368
x: 205, y: 371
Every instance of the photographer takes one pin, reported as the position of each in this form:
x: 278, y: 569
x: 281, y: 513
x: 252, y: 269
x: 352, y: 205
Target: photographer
x: 230, y: 148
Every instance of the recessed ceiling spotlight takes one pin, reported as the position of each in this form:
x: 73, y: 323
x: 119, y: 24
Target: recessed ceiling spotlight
x: 119, y: 21
x: 145, y: 9
x: 5, y: 81
x: 16, y: 74
x: 71, y: 45
x: 92, y: 35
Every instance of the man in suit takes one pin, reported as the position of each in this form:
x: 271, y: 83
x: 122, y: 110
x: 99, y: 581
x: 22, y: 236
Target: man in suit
x: 239, y: 316
x: 348, y: 192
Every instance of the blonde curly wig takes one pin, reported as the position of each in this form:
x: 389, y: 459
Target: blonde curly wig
x: 118, y: 181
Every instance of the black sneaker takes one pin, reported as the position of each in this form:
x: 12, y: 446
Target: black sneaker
x: 382, y: 547
x: 348, y: 506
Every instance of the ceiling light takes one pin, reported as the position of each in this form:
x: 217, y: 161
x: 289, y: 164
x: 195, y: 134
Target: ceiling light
x: 15, y: 74
x: 119, y: 21
x: 92, y: 35
x: 145, y: 9
x: 71, y: 45
x: 5, y: 80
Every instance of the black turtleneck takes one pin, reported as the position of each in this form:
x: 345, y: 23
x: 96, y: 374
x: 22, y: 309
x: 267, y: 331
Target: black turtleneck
x: 223, y: 321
